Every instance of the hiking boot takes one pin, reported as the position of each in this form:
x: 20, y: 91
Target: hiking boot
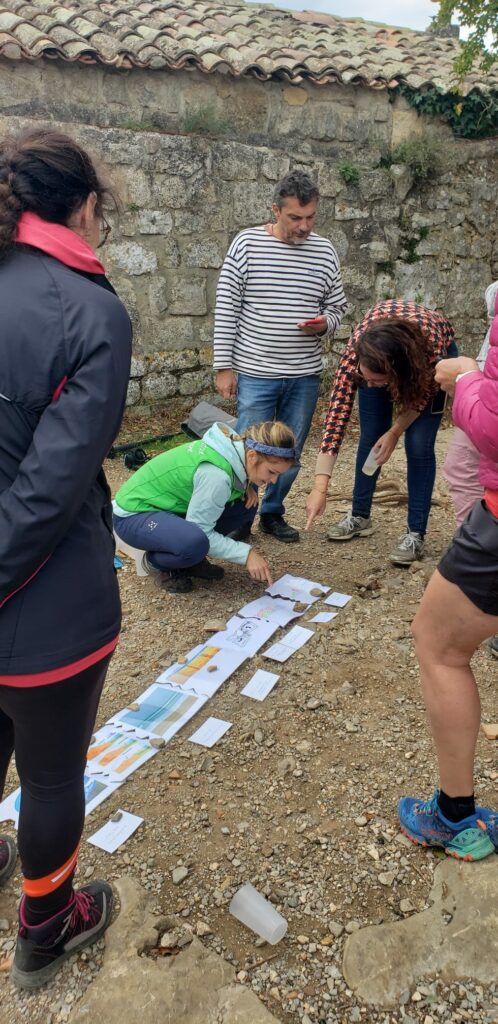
x: 278, y: 528
x: 350, y: 526
x: 205, y: 571
x: 424, y: 824
x: 8, y: 857
x: 42, y: 949
x: 409, y: 548
x: 493, y: 645
x: 176, y: 581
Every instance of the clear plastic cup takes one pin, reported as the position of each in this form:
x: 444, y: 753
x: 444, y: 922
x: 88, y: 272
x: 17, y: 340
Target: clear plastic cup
x: 370, y: 465
x: 250, y: 907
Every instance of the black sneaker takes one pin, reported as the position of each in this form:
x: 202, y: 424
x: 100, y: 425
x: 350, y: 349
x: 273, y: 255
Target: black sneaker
x: 241, y: 533
x: 8, y: 857
x: 278, y: 528
x: 42, y: 949
x: 205, y: 571
x: 176, y: 581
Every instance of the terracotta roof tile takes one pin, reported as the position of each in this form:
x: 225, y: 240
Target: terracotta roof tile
x: 242, y: 39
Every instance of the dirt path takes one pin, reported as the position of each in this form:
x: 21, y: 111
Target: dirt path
x: 300, y: 796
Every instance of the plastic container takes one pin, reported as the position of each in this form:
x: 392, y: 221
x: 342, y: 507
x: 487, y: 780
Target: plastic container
x: 370, y: 465
x: 250, y: 907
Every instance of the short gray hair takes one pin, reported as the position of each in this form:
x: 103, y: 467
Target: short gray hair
x: 298, y: 184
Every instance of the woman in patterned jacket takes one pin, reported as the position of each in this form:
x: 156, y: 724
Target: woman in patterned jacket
x: 390, y: 359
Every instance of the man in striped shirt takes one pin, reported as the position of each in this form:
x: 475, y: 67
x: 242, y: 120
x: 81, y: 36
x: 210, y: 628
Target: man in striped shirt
x: 279, y: 293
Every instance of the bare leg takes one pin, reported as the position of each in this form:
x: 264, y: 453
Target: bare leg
x: 447, y: 630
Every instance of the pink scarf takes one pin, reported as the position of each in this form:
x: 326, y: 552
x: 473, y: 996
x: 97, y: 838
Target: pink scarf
x: 58, y: 241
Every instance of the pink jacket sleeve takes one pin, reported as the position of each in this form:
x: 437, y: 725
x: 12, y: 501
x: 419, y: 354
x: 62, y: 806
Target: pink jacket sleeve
x: 475, y: 407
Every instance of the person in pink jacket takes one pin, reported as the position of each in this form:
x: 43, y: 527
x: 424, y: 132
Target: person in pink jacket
x: 458, y: 611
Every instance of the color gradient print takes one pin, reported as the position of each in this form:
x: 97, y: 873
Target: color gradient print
x: 160, y: 711
x: 198, y: 662
x: 117, y: 754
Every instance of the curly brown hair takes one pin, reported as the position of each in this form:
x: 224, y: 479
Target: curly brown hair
x: 399, y: 350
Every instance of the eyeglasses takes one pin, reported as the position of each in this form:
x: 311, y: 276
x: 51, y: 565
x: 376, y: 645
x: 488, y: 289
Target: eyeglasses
x: 361, y: 379
x: 105, y: 230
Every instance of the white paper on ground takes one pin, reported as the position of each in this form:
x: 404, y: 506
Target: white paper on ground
x: 114, y: 833
x: 289, y: 644
x: 296, y: 588
x: 10, y: 806
x: 324, y: 617
x: 260, y: 685
x: 272, y: 609
x: 162, y: 711
x: 338, y: 600
x: 210, y: 732
x: 114, y: 754
x: 198, y: 669
x: 244, y: 635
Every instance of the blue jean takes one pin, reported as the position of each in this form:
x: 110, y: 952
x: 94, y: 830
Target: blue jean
x: 289, y: 399
x: 376, y: 414
x: 170, y: 541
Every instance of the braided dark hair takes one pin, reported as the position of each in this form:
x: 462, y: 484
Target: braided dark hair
x: 47, y: 173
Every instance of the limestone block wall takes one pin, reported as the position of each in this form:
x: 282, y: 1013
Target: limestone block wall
x: 184, y: 195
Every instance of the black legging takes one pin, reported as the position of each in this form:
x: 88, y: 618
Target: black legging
x: 50, y: 728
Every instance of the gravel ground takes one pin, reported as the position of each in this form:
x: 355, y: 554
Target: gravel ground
x: 300, y: 796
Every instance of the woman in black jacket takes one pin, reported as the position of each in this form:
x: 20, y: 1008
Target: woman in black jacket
x: 65, y: 354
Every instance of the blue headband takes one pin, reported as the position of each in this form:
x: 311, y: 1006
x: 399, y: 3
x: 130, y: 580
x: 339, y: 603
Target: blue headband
x: 269, y: 449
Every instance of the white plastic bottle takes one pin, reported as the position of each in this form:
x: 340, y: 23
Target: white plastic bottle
x: 370, y: 466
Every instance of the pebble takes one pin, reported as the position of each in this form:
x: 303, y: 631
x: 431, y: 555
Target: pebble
x: 4, y: 924
x: 133, y: 707
x: 406, y: 906
x: 361, y: 821
x: 214, y: 625
x: 335, y: 928
x: 202, y: 929
x: 314, y: 703
x: 179, y: 874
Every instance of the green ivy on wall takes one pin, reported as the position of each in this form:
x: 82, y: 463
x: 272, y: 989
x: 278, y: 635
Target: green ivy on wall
x: 474, y: 116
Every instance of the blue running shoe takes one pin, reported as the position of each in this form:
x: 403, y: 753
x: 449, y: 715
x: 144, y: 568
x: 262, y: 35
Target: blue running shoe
x: 488, y: 820
x: 423, y: 823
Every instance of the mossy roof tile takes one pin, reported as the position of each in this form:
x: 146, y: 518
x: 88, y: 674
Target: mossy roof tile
x: 245, y: 39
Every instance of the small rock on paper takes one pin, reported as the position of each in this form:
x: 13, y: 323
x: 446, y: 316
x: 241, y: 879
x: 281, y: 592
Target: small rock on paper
x: 210, y: 732
x: 114, y: 833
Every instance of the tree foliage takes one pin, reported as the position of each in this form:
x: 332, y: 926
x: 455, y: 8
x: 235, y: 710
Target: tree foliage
x: 480, y: 17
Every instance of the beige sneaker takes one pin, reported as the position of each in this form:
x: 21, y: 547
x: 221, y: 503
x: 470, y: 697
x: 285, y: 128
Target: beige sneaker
x: 349, y: 527
x: 409, y: 548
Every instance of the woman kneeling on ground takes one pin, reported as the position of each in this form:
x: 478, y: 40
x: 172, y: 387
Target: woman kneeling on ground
x: 458, y: 611
x: 183, y: 504
x: 390, y: 358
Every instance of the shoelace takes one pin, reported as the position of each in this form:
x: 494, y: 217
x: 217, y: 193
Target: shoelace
x: 408, y: 542
x: 349, y: 521
x: 84, y: 910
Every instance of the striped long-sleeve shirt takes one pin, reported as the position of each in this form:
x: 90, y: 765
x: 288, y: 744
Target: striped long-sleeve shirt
x: 436, y: 328
x: 266, y: 287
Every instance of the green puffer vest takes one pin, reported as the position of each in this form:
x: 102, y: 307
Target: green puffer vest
x: 166, y: 482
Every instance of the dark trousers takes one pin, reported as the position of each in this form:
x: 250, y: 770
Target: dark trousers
x: 376, y: 415
x: 49, y: 728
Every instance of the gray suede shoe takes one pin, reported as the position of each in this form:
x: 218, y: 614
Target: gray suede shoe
x: 350, y: 526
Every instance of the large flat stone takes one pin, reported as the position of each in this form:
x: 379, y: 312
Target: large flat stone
x: 457, y: 938
x: 195, y: 987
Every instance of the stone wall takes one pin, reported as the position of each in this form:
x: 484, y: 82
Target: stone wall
x: 184, y: 195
